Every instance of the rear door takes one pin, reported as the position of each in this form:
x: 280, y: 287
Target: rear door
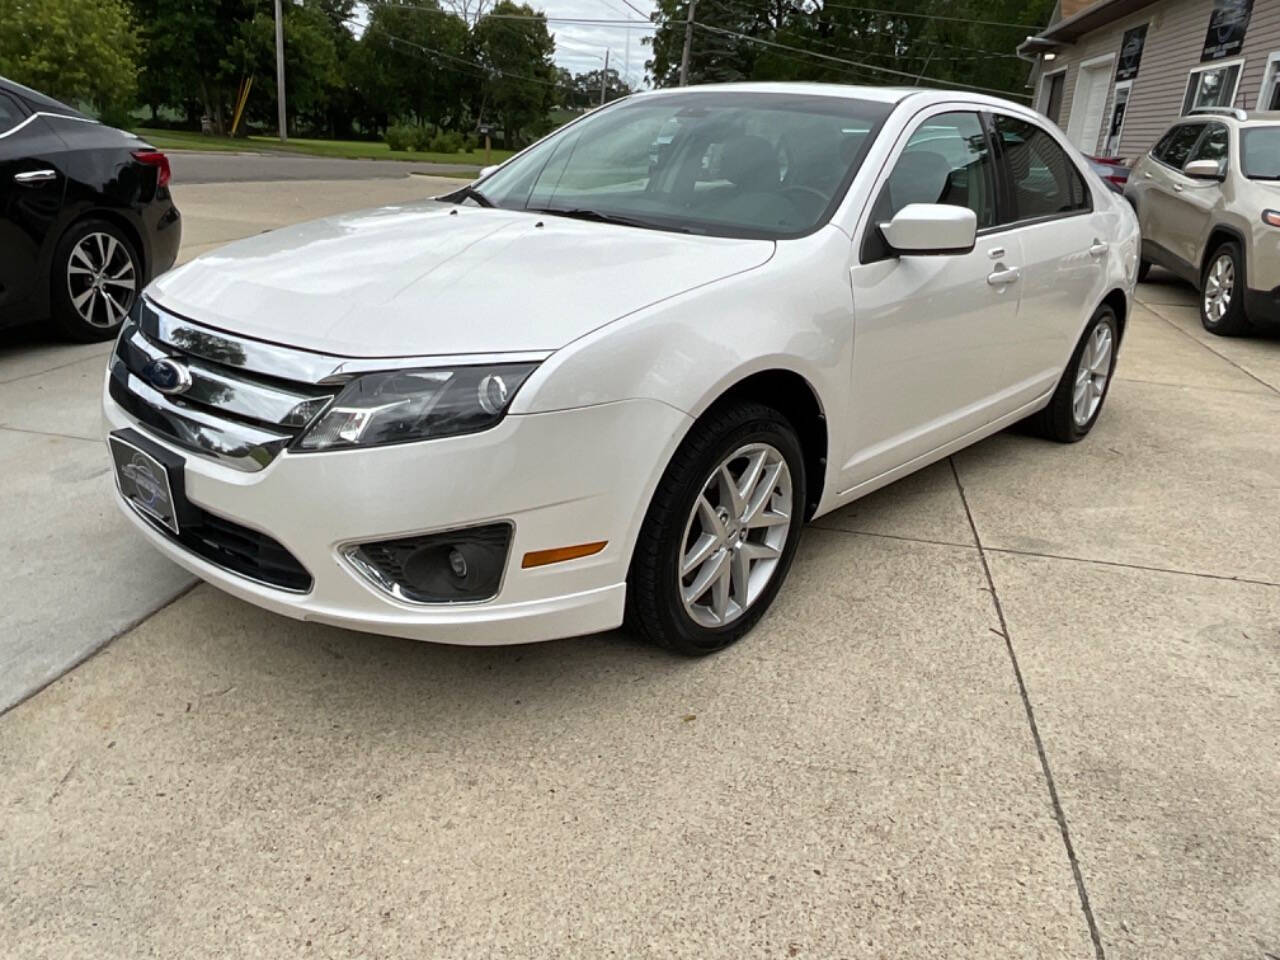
x: 1164, y: 181
x: 1189, y: 207
x: 31, y: 191
x: 1048, y: 209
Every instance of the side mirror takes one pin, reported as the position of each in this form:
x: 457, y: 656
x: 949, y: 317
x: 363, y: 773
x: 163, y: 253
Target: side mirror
x: 485, y: 171
x: 931, y: 228
x: 1204, y: 170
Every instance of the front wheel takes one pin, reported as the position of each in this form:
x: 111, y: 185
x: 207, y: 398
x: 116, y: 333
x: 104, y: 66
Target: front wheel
x: 1222, y: 292
x: 720, y: 533
x: 1080, y: 393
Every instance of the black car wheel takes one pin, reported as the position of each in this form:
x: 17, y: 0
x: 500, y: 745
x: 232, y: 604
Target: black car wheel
x: 1222, y: 292
x: 96, y: 275
x: 1078, y: 400
x: 720, y: 533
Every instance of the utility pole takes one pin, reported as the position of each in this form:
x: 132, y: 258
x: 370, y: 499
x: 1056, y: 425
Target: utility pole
x: 604, y: 77
x: 284, y: 127
x: 688, y: 44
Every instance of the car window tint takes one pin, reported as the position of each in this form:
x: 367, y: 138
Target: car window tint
x: 1044, y: 181
x: 10, y: 114
x: 1177, y: 144
x: 947, y: 160
x: 1213, y: 146
x: 1260, y: 153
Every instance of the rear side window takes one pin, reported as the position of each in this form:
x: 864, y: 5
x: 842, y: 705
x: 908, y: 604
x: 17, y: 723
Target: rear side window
x: 10, y: 113
x: 1175, y: 147
x: 1043, y: 180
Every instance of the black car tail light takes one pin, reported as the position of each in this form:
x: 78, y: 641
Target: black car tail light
x: 154, y: 158
x: 451, y: 567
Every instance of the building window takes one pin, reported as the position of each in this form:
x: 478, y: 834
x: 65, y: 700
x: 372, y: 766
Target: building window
x: 1115, y: 127
x: 1213, y: 86
x: 1269, y: 98
x: 1051, y: 95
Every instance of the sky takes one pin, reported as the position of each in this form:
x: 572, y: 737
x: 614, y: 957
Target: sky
x: 581, y: 47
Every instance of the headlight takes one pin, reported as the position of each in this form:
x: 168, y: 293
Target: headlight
x: 404, y: 405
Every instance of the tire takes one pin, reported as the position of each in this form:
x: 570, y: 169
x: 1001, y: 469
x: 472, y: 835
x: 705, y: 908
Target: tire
x: 1222, y: 291
x: 1144, y: 268
x: 96, y: 276
x: 1068, y: 417
x: 680, y: 519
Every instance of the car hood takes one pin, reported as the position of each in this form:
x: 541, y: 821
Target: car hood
x: 430, y: 278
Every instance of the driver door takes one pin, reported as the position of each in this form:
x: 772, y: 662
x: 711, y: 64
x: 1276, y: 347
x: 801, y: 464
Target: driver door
x: 935, y: 353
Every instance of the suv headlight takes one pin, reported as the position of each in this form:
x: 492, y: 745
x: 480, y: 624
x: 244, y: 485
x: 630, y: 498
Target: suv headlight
x: 401, y: 406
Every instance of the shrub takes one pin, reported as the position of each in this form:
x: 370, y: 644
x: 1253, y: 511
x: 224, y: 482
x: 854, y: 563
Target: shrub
x: 401, y: 137
x: 450, y: 142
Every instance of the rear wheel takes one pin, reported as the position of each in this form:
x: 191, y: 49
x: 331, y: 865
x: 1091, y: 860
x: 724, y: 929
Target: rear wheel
x: 720, y: 533
x: 96, y: 274
x: 1222, y: 292
x: 1078, y: 399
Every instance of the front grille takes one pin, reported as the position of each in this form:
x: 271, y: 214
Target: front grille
x: 236, y: 400
x: 236, y: 548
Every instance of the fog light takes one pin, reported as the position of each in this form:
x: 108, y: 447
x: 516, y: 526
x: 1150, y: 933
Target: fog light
x: 451, y: 567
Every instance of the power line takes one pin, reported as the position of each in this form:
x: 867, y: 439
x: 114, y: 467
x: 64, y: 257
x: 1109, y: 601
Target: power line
x: 934, y: 16
x: 855, y: 63
x: 580, y: 21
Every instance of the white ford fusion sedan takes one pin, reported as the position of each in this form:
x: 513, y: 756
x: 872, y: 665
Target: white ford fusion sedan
x: 610, y: 380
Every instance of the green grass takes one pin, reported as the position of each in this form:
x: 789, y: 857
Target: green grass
x: 349, y: 149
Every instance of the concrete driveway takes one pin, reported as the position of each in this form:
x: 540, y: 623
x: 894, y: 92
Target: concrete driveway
x: 1025, y: 703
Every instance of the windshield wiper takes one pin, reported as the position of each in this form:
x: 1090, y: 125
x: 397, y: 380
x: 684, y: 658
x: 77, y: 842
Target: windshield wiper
x: 469, y: 193
x: 598, y: 216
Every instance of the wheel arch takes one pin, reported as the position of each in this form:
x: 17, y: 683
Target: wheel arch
x: 1219, y: 234
x: 794, y: 396
x: 1118, y: 301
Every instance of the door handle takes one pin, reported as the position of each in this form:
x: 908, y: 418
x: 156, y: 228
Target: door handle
x: 1004, y: 276
x: 1146, y: 176
x: 33, y: 177
x: 1177, y: 188
x: 1099, y: 248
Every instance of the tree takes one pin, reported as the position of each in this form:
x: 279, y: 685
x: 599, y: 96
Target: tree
x: 518, y: 56
x: 942, y: 42
x: 413, y: 60
x: 586, y: 87
x: 72, y: 49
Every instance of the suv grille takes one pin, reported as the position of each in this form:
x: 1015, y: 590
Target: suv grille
x: 229, y: 398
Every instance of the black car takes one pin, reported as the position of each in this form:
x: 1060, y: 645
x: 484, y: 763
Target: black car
x: 86, y: 217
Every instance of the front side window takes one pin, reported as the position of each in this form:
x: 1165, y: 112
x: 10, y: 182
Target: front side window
x: 1175, y: 147
x: 1215, y: 87
x: 1044, y: 182
x: 723, y: 164
x: 1260, y: 153
x: 1214, y: 145
x: 947, y: 160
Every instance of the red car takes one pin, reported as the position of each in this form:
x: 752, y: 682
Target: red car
x: 1112, y: 170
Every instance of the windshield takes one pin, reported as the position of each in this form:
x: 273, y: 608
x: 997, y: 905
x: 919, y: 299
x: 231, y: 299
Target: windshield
x: 724, y: 164
x: 1260, y: 153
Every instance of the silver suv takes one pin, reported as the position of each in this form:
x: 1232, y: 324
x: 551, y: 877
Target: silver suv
x: 1208, y: 201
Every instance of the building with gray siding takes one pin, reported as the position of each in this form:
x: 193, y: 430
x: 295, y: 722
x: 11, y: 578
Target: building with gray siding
x: 1114, y: 74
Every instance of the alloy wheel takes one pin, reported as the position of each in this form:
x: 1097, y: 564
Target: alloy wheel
x: 735, y: 534
x: 1092, y: 374
x: 1219, y: 287
x: 101, y: 279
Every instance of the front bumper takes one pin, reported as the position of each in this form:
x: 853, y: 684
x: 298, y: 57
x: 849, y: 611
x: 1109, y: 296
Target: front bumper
x: 562, y: 478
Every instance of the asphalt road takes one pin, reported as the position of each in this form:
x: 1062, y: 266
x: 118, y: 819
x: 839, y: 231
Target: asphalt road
x: 191, y: 167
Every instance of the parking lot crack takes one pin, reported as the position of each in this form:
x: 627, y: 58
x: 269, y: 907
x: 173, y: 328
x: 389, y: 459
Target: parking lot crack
x: 1054, y: 799
x: 1222, y: 356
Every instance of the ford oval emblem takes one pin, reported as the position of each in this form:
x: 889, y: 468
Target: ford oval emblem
x: 167, y: 375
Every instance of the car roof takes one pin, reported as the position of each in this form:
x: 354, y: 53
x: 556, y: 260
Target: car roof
x: 38, y: 101
x: 877, y: 94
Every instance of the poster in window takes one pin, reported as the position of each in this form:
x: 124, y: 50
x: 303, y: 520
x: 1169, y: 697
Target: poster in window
x: 1227, y: 26
x: 1131, y: 53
